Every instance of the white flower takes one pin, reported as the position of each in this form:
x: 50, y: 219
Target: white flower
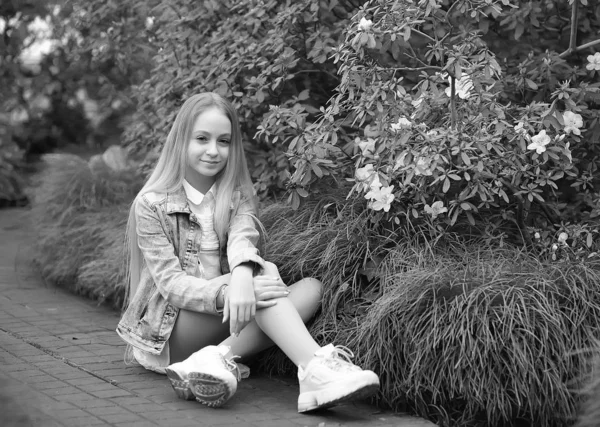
x: 365, y: 24
x: 539, y: 142
x: 554, y: 247
x: 403, y: 123
x: 364, y: 173
x: 367, y: 146
x: 462, y: 87
x: 368, y: 177
x: 594, y: 62
x: 562, y: 237
x: 436, y: 208
x: 537, y: 235
x: 520, y: 129
x: 149, y: 22
x: 374, y: 182
x: 422, y: 167
x: 380, y: 198
x: 573, y: 122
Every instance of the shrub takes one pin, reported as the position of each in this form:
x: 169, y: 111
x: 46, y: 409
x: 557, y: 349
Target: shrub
x: 80, y: 217
x: 457, y: 113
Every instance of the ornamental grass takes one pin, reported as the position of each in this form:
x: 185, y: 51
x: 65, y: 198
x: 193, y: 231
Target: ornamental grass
x: 463, y: 334
x: 79, y: 215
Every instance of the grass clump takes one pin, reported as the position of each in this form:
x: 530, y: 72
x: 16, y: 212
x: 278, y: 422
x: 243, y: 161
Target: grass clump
x: 79, y: 214
x: 464, y: 334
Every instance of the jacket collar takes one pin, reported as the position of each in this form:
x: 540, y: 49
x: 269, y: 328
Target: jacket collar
x: 177, y: 201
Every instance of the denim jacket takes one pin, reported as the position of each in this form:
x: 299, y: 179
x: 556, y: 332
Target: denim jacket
x: 168, y: 236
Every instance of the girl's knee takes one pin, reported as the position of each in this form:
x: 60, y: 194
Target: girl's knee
x: 310, y: 292
x: 311, y: 286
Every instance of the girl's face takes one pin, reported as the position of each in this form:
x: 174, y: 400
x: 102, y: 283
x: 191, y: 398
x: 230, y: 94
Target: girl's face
x: 208, y: 149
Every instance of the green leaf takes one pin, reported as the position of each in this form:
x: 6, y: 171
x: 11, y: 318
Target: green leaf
x: 302, y: 192
x: 302, y: 96
x: 465, y: 158
x: 317, y: 170
x: 531, y: 84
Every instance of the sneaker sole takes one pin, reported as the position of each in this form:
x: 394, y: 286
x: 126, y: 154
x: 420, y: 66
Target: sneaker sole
x: 322, y: 399
x: 181, y: 386
x: 210, y: 390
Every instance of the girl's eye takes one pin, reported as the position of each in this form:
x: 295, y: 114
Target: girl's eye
x: 224, y: 141
x: 201, y: 138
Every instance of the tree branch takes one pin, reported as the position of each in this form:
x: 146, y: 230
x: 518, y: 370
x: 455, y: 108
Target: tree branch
x: 431, y: 39
x: 573, y: 35
x: 429, y: 67
x: 578, y: 48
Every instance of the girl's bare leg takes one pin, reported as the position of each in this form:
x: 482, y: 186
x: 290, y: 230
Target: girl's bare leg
x: 282, y: 324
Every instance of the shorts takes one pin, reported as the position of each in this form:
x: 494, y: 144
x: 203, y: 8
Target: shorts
x: 153, y: 362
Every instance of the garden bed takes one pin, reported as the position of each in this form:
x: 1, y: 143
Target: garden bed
x: 462, y: 333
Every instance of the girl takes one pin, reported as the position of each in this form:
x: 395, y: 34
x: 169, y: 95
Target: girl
x: 200, y: 292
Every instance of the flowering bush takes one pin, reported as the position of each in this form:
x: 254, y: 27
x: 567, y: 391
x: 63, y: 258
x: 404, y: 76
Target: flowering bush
x: 458, y: 113
x: 257, y: 53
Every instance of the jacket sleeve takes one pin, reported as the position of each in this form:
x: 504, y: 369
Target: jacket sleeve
x: 244, y: 236
x: 174, y: 284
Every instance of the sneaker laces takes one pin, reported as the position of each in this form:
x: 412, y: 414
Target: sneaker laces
x: 228, y: 363
x: 233, y: 367
x: 340, y: 358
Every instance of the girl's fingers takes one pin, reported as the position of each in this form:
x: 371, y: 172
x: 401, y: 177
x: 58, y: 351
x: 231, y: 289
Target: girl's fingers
x: 268, y: 280
x: 265, y: 304
x: 278, y: 293
x: 241, y: 315
x: 233, y: 320
x: 225, y: 311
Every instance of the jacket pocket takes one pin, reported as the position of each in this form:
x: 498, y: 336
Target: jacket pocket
x: 151, y: 317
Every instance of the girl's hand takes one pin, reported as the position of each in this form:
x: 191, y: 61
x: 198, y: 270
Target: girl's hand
x: 267, y: 290
x: 240, y: 302
x: 269, y: 286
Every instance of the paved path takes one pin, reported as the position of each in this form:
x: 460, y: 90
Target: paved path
x: 61, y: 365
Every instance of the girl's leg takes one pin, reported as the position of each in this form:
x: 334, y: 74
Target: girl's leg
x: 283, y: 325
x: 194, y: 331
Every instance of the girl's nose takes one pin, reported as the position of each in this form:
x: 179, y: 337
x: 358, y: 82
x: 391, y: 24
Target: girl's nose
x: 211, y: 150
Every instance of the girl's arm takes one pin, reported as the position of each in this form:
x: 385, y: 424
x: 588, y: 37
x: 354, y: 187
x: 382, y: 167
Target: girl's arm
x: 243, y: 236
x: 175, y: 285
x: 244, y: 259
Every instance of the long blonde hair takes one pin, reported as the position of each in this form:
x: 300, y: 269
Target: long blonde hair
x: 169, y: 173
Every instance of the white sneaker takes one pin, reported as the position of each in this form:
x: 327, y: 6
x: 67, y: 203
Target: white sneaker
x: 207, y: 375
x: 330, y: 378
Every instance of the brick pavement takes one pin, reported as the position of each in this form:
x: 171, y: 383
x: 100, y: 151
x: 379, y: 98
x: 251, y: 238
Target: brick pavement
x: 61, y: 364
